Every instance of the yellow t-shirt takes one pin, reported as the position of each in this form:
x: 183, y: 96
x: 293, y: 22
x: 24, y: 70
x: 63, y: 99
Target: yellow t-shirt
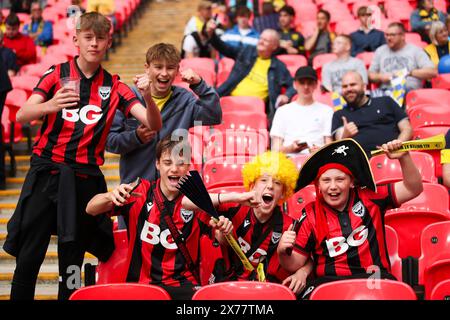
x: 160, y: 102
x: 255, y: 84
x: 105, y: 7
x: 445, y: 156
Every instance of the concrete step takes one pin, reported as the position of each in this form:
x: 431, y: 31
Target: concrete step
x: 50, y: 257
x: 43, y: 291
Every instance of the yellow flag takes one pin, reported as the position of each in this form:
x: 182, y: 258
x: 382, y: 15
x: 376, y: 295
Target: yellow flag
x: 432, y: 143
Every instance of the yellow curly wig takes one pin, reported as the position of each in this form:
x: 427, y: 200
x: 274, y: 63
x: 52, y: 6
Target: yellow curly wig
x: 275, y: 164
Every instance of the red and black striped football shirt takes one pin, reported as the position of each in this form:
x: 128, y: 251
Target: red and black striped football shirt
x: 257, y: 240
x: 78, y: 135
x: 356, y: 240
x: 153, y: 256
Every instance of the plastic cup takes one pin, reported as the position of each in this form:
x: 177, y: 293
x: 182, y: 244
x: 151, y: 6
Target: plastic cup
x: 71, y: 84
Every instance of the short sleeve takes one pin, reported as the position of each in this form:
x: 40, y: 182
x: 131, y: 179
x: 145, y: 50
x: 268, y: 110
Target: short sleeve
x: 127, y: 98
x: 326, y: 77
x: 423, y: 60
x: 328, y: 114
x: 277, y: 125
x: 385, y: 197
x: 399, y: 113
x: 306, y: 240
x: 336, y: 122
x: 189, y: 44
x: 46, y: 85
x: 375, y: 65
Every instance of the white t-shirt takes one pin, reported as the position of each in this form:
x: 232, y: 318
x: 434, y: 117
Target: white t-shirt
x: 190, y: 45
x: 295, y: 122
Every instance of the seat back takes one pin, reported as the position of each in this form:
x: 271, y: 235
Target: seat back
x: 431, y: 115
x: 242, y: 104
x: 392, y: 248
x: 427, y: 96
x: 121, y: 291
x: 434, y: 197
x: 299, y: 200
x: 434, y: 263
x: 235, y: 142
x: 364, y: 289
x: 441, y: 81
x: 25, y: 82
x: 441, y: 291
x: 387, y: 170
x: 219, y: 172
x: 115, y: 269
x: 244, y: 290
x: 409, y: 226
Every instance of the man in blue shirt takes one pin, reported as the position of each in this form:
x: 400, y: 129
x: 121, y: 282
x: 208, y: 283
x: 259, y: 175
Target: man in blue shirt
x: 242, y: 34
x: 366, y: 38
x: 39, y: 30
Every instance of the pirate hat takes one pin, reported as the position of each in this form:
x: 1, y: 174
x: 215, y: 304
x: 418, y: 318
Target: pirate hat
x: 346, y: 152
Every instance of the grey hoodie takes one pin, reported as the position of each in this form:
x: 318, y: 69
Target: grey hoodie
x: 179, y: 112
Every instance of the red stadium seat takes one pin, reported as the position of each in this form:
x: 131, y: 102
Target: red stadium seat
x: 197, y: 147
x: 209, y: 255
x: 299, y: 200
x: 250, y: 104
x: 427, y: 116
x: 121, y: 291
x: 442, y: 81
x: 426, y: 132
x: 36, y: 69
x: 223, y: 70
x: 244, y: 290
x: 221, y: 172
x: 306, y: 27
x: 208, y: 75
x: 320, y: 60
x: 392, y: 248
x: 25, y: 82
x: 238, y: 120
x: 366, y: 57
x: 205, y: 67
x: 115, y: 269
x: 299, y: 159
x: 436, y: 97
x: 294, y: 61
x: 409, y: 226
x: 433, y: 198
x: 236, y: 142
x: 347, y: 26
x: 441, y: 291
x: 227, y: 189
x: 324, y: 98
x: 434, y: 263
x: 225, y: 64
x: 364, y: 289
x: 386, y: 170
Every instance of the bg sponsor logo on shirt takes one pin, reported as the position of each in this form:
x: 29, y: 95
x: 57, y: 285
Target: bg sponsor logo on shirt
x: 89, y: 114
x: 339, y: 245
x: 151, y: 233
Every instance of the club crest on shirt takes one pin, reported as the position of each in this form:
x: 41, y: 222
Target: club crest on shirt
x: 358, y: 209
x: 186, y: 215
x: 104, y: 92
x: 149, y: 206
x: 276, y: 237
